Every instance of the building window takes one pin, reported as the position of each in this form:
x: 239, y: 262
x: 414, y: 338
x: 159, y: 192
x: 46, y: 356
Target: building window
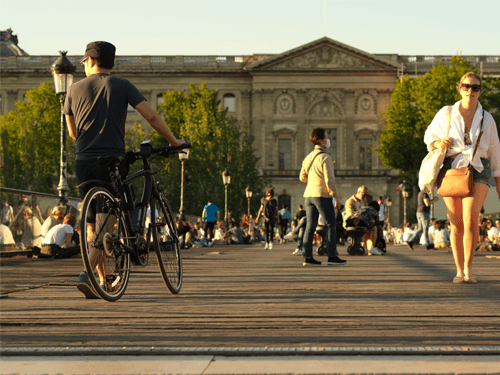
x: 365, y: 154
x: 332, y: 151
x: 229, y: 103
x: 284, y: 200
x: 285, y: 154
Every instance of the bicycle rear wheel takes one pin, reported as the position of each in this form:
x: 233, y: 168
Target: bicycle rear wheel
x: 166, y: 243
x: 108, y: 269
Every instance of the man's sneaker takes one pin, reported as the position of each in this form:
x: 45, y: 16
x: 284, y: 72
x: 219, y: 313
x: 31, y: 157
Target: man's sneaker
x: 297, y: 252
x: 311, y: 262
x: 85, y: 287
x: 266, y: 247
x: 375, y: 251
x: 336, y: 262
x: 410, y: 245
x: 270, y: 245
x: 109, y: 244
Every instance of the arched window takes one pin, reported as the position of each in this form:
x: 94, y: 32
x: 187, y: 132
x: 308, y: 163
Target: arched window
x: 229, y: 102
x: 284, y: 199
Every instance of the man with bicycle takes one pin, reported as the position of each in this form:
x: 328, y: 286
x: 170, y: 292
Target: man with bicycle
x: 96, y: 112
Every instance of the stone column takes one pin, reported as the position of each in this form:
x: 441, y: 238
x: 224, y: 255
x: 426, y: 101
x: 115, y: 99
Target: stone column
x: 268, y: 120
x: 349, y: 143
x: 302, y: 134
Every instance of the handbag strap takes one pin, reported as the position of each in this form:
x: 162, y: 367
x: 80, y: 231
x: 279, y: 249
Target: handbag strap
x: 450, y: 109
x: 312, y: 161
x: 478, y: 140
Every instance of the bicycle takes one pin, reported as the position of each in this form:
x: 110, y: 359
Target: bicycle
x: 114, y: 230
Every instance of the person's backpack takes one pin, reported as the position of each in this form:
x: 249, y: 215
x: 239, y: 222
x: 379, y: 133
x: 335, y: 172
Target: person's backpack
x: 270, y: 210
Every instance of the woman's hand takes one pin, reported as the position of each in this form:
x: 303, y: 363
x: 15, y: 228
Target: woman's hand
x: 444, y: 143
x: 337, y: 204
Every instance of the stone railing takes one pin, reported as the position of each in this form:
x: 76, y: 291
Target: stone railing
x: 338, y: 173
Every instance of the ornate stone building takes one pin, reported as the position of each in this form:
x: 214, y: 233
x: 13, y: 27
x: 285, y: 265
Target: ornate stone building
x: 282, y: 97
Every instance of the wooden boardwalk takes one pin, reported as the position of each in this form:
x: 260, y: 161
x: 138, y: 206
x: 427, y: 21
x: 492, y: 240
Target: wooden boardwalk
x: 246, y: 296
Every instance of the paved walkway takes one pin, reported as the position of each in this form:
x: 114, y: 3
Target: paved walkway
x: 247, y: 297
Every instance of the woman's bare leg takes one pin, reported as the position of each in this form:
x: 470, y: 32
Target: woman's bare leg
x: 455, y: 214
x: 471, y: 207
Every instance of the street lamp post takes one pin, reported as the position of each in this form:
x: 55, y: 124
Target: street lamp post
x: 62, y: 71
x: 183, y: 156
x: 389, y: 204
x: 226, y: 178
x: 248, y: 192
x: 406, y: 193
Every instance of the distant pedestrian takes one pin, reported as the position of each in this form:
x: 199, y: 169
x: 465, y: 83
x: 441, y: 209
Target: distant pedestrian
x: 210, y: 215
x: 424, y: 220
x: 284, y: 217
x: 269, y: 209
x: 382, y: 215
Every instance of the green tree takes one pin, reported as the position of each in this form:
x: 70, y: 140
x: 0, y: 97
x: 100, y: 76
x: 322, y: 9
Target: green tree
x: 490, y: 98
x: 414, y: 103
x: 31, y: 143
x: 218, y: 141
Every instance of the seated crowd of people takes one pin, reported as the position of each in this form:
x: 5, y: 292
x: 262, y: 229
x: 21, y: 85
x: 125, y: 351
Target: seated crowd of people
x: 46, y: 236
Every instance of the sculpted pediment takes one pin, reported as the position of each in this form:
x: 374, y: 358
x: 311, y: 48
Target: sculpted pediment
x: 323, y: 54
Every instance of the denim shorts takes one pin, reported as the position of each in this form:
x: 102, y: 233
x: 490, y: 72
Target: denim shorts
x: 482, y: 177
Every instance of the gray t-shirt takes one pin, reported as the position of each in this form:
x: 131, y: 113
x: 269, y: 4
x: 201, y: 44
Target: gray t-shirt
x: 422, y: 208
x: 99, y: 105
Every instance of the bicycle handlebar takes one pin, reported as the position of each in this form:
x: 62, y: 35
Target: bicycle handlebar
x: 147, y: 150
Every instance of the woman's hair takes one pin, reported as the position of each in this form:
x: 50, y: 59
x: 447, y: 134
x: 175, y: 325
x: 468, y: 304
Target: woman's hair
x: 270, y: 192
x: 317, y: 135
x: 439, y: 224
x: 470, y: 75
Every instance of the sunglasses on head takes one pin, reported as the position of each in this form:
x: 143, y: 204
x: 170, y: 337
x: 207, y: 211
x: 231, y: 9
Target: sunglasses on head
x: 467, y: 87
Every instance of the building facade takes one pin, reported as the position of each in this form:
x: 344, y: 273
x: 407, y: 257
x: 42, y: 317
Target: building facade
x: 282, y: 97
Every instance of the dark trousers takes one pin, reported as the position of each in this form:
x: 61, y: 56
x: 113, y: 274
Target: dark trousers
x: 269, y: 229
x: 283, y: 226
x: 91, y: 170
x: 314, y: 207
x: 208, y: 228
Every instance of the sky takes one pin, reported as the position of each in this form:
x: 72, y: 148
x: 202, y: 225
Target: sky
x: 245, y: 27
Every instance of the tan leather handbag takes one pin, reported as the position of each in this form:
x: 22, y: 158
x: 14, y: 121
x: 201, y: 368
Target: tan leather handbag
x: 458, y: 182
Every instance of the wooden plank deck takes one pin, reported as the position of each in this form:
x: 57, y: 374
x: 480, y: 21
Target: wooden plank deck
x: 251, y: 297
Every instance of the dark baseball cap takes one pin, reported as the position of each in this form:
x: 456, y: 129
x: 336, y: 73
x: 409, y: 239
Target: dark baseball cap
x: 99, y: 50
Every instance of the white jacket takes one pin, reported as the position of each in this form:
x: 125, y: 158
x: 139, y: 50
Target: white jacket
x: 489, y: 148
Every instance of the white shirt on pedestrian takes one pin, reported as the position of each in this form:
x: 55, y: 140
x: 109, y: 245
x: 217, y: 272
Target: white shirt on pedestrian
x: 489, y: 147
x: 57, y: 235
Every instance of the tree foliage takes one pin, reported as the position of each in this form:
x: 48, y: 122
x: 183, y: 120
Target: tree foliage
x: 218, y: 141
x: 31, y: 143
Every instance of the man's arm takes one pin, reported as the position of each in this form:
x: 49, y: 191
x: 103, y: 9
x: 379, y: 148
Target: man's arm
x: 70, y: 123
x: 429, y: 202
x: 156, y: 121
x: 203, y: 215
x: 68, y: 240
x: 218, y: 215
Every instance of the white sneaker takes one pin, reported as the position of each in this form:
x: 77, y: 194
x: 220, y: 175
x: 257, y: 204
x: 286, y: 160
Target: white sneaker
x: 375, y: 251
x: 297, y: 252
x: 270, y: 245
x: 266, y: 247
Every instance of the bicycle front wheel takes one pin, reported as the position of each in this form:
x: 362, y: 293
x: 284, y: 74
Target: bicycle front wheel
x: 166, y: 243
x: 108, y: 268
